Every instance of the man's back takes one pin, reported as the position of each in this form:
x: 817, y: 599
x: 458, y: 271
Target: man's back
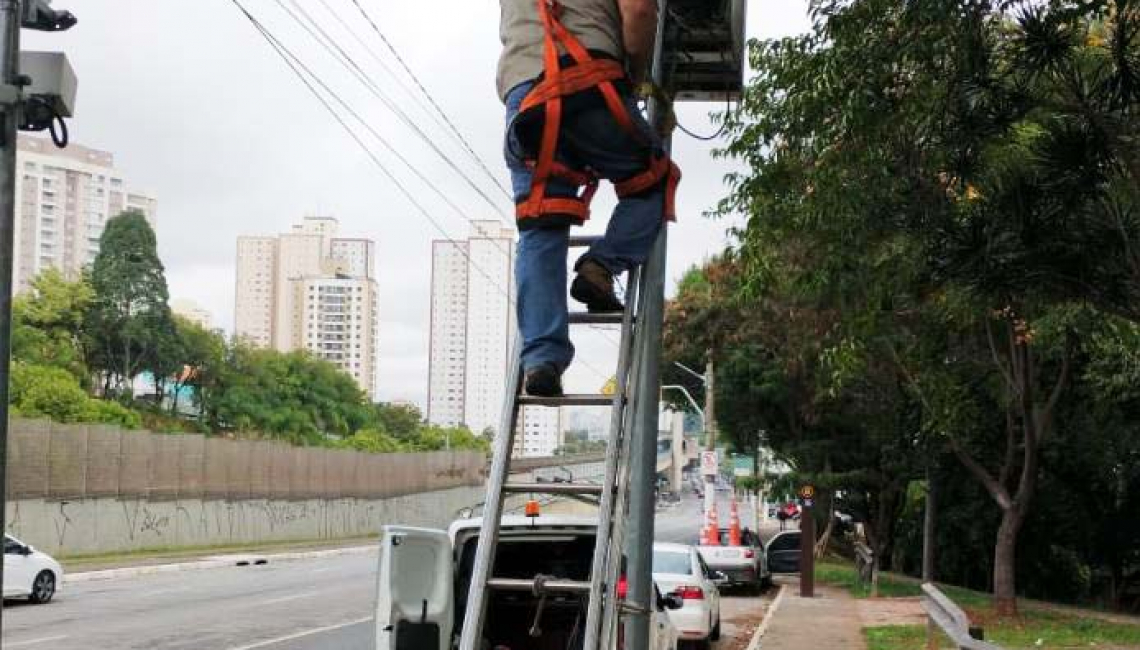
x: 596, y: 23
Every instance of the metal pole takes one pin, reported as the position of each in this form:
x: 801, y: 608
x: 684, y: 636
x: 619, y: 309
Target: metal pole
x: 9, y: 64
x: 643, y: 478
x: 928, y: 553
x: 710, y: 432
x: 643, y: 473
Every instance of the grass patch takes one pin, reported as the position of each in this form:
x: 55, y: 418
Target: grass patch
x: 1033, y: 630
x: 844, y: 576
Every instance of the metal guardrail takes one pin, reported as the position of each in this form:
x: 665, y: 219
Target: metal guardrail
x: 864, y: 562
x: 944, y: 614
x: 519, y: 465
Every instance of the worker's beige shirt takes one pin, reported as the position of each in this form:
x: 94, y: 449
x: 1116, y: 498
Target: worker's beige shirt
x: 597, y: 23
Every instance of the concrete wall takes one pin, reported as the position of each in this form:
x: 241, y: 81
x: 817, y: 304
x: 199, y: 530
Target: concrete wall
x: 106, y: 525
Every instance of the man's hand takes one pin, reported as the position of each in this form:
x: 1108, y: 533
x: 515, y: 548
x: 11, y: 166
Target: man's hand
x: 639, y: 29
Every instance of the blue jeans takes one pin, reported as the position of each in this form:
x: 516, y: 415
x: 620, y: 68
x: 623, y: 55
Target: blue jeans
x: 592, y: 138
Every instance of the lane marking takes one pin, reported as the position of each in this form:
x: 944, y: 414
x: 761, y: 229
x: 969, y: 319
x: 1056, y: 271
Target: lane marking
x: 301, y: 635
x: 758, y: 638
x: 20, y: 644
x: 285, y: 599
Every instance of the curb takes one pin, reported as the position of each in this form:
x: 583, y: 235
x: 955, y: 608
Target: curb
x: 213, y: 562
x: 754, y: 644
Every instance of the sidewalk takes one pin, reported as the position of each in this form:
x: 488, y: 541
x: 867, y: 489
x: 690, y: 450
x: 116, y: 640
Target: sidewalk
x: 830, y: 621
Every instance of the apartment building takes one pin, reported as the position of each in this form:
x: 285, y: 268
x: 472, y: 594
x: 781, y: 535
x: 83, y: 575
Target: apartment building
x: 64, y: 198
x: 307, y: 289
x: 193, y: 312
x: 472, y: 327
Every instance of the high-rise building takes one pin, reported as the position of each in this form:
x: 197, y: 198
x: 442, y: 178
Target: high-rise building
x: 539, y: 432
x: 193, y: 312
x: 308, y: 289
x: 64, y: 198
x: 472, y: 326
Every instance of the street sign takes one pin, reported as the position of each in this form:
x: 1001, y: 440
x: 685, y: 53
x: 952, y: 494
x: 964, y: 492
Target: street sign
x: 741, y: 466
x: 709, y: 464
x: 807, y: 492
x: 610, y: 387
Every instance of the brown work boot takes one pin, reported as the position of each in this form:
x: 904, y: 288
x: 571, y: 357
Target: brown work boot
x: 543, y: 380
x: 594, y: 287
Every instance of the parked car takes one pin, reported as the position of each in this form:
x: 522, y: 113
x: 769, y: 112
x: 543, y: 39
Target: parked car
x: 28, y: 573
x: 679, y: 569
x: 743, y: 565
x: 783, y: 552
x: 424, y: 575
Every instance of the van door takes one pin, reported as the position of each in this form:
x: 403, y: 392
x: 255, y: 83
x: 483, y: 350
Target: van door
x: 414, y: 604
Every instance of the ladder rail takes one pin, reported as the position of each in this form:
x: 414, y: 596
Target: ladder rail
x: 602, y: 583
x: 493, y: 507
x: 616, y: 544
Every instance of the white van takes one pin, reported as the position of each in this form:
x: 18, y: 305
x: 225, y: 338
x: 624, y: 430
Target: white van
x: 424, y: 576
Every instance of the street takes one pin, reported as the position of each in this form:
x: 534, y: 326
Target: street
x: 322, y: 604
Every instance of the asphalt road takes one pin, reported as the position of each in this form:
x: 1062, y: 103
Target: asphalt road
x: 322, y: 604
x: 325, y: 603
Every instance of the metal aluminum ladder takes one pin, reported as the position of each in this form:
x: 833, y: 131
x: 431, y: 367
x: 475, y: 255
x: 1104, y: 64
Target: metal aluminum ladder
x: 612, y: 495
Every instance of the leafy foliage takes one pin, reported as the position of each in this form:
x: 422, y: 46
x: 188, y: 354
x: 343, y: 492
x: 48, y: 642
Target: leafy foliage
x: 941, y: 202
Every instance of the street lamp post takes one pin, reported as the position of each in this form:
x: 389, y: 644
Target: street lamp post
x: 708, y: 421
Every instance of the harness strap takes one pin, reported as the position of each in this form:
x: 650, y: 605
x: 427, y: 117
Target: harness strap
x: 587, y: 73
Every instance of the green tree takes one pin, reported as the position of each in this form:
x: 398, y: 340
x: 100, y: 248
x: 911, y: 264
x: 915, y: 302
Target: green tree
x: 943, y: 175
x: 288, y: 395
x: 47, y: 323
x: 54, y: 393
x: 129, y: 322
x: 200, y: 355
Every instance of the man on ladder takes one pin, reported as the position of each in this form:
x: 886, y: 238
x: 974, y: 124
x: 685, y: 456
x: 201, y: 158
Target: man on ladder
x: 567, y: 74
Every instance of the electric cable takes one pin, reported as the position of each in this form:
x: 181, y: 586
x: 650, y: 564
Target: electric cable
x: 296, y: 66
x: 346, y: 60
x: 349, y: 64
x: 430, y: 98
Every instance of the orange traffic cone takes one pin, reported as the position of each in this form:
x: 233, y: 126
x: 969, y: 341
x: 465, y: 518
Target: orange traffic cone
x: 713, y: 534
x: 734, y: 526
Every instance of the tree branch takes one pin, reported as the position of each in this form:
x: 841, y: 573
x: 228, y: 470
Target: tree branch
x: 1001, y: 366
x: 998, y: 491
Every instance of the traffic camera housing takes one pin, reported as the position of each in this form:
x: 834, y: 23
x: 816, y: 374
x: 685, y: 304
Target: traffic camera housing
x: 704, y: 47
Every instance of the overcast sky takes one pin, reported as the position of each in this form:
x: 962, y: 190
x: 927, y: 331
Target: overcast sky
x: 199, y: 111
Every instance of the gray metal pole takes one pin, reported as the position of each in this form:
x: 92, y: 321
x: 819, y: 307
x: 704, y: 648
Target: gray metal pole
x: 643, y: 473
x: 9, y: 64
x: 643, y: 478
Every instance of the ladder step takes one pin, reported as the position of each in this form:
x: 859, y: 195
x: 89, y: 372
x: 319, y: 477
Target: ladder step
x: 554, y: 488
x: 596, y: 318
x: 584, y: 241
x: 567, y: 400
x: 549, y: 586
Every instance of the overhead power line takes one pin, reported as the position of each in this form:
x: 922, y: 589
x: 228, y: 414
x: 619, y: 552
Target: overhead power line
x: 430, y: 98
x: 314, y: 29
x: 318, y: 33
x: 300, y: 70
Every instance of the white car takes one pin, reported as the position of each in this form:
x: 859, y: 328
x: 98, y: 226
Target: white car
x: 679, y: 569
x: 29, y: 573
x: 424, y: 575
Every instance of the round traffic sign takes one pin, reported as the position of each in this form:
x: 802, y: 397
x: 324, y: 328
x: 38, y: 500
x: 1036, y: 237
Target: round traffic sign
x: 807, y: 492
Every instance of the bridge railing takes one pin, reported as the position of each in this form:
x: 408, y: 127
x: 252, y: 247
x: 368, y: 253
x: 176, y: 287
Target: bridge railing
x: 943, y: 614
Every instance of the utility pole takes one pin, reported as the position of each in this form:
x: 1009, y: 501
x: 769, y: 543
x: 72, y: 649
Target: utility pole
x: 643, y: 473
x: 710, y: 430
x: 9, y: 64
x: 25, y: 103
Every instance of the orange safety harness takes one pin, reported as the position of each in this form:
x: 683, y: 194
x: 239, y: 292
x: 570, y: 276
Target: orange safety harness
x: 586, y: 73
